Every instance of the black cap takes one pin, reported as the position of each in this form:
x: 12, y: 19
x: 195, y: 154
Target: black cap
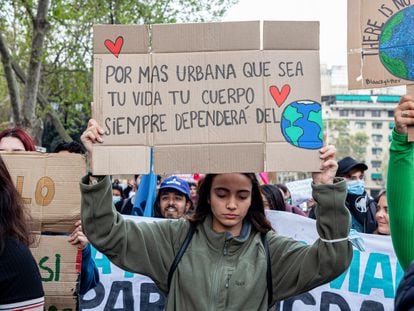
x: 348, y: 164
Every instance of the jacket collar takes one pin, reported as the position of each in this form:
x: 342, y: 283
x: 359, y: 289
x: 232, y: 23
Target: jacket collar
x: 219, y: 240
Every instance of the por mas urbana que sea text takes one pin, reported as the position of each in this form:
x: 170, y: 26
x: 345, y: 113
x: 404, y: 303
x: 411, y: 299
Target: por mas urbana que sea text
x: 204, y: 107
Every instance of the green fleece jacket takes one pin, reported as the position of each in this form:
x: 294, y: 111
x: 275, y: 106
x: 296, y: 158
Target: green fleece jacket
x: 400, y: 197
x: 219, y: 271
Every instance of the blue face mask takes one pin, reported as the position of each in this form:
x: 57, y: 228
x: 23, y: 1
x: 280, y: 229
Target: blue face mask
x: 356, y: 187
x: 116, y: 199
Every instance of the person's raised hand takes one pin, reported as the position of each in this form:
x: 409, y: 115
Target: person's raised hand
x: 77, y: 237
x: 92, y: 134
x: 404, y: 114
x: 328, y: 166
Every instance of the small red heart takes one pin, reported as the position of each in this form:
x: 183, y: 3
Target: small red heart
x: 115, y: 48
x: 279, y: 97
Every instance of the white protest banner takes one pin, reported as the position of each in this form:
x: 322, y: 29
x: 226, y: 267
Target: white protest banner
x: 300, y: 190
x: 369, y: 283
x: 207, y: 97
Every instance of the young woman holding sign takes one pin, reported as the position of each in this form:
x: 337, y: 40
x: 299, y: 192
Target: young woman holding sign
x: 20, y: 282
x: 227, y: 264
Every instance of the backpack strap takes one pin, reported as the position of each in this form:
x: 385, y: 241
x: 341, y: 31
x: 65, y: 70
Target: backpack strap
x: 268, y: 270
x: 180, y: 253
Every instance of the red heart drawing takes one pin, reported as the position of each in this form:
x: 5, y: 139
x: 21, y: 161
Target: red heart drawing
x: 279, y: 97
x: 115, y: 48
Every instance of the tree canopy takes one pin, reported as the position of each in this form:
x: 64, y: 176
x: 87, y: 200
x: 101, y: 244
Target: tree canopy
x: 46, y: 53
x: 347, y: 144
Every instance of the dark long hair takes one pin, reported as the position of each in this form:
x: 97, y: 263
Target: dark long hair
x: 21, y: 135
x: 13, y: 215
x: 274, y: 197
x: 256, y: 212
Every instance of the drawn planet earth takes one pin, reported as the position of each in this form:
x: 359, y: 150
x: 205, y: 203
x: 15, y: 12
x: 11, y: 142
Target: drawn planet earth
x: 396, y: 44
x: 302, y: 125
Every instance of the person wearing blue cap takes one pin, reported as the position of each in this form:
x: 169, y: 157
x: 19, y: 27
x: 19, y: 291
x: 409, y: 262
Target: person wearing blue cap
x: 173, y: 199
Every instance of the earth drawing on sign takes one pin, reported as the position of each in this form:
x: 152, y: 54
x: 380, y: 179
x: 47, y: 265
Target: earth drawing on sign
x: 396, y: 45
x: 301, y: 124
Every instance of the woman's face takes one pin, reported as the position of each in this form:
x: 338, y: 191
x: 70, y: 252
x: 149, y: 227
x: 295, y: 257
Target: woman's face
x: 11, y: 144
x: 230, y: 199
x: 193, y: 191
x: 382, y: 216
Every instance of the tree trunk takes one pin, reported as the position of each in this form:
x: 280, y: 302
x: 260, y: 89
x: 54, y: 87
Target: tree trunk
x: 40, y: 26
x: 11, y: 81
x: 44, y: 104
x: 59, y: 127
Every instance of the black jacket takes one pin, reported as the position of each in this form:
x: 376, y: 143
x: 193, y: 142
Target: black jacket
x: 404, y: 300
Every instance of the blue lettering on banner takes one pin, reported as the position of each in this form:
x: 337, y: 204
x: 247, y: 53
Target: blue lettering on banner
x: 104, y: 263
x: 120, y: 289
x: 121, y: 296
x: 353, y: 271
x: 377, y: 262
x: 370, y: 281
x: 146, y: 303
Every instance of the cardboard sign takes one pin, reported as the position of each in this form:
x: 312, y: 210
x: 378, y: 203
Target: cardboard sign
x: 380, y: 43
x: 207, y: 98
x: 59, y: 265
x: 49, y: 185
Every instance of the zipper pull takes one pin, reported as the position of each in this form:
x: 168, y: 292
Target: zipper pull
x: 225, y: 250
x: 227, y: 280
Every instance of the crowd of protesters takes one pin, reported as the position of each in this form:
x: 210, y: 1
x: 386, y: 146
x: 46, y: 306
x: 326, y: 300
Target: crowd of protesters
x: 223, y: 208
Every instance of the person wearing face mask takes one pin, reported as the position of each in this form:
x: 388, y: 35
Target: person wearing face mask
x: 362, y: 207
x: 117, y: 196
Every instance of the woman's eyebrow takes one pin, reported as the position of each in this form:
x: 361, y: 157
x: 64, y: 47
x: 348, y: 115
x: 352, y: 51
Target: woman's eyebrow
x: 243, y: 190
x: 220, y: 188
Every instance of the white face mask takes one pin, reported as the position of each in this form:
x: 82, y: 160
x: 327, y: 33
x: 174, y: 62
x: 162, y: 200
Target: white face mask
x: 116, y: 199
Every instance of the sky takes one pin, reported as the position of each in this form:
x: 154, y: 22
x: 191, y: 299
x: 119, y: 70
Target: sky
x: 330, y: 13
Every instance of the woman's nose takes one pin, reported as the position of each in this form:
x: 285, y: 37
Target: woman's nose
x: 231, y: 204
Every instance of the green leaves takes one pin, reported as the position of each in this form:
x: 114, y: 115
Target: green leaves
x: 346, y: 144
x: 66, y: 72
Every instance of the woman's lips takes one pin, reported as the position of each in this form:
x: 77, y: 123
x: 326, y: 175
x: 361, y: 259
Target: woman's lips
x: 230, y: 216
